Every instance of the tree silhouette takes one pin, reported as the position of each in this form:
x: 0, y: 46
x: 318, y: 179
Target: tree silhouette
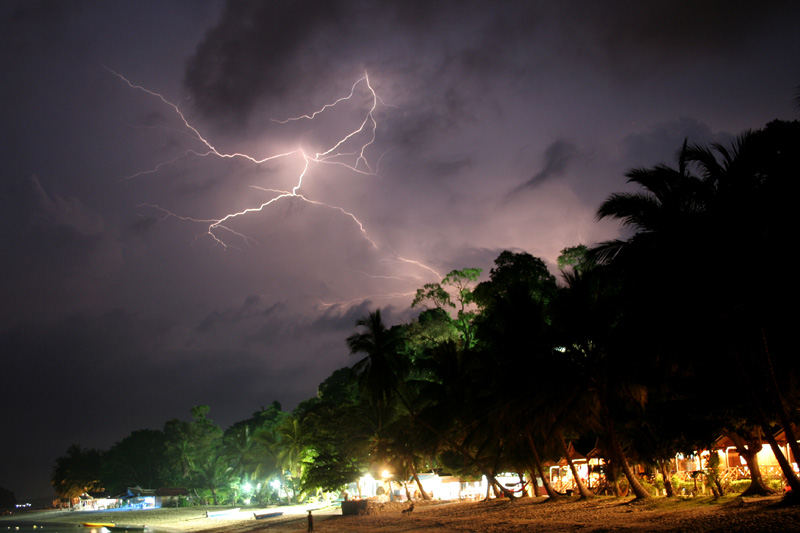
x: 380, y: 371
x: 77, y: 472
x: 695, y: 280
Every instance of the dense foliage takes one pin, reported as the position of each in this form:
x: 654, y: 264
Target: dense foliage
x: 647, y: 346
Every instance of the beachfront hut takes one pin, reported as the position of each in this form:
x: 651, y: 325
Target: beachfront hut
x: 170, y: 496
x: 768, y: 464
x: 93, y: 502
x: 732, y: 465
x: 560, y: 474
x: 596, y: 468
x: 139, y: 498
x: 448, y: 487
x: 780, y: 437
x: 439, y: 487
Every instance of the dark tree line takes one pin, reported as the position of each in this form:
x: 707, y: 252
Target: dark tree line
x: 650, y: 345
x: 214, y: 465
x: 7, y: 499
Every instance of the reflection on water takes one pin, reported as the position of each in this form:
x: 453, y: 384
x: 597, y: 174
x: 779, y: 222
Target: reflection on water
x: 45, y: 527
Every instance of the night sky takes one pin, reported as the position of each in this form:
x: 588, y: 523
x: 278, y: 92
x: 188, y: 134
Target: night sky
x: 500, y: 125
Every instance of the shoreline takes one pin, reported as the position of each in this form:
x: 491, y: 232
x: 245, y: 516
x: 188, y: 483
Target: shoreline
x: 730, y: 513
x: 173, y: 520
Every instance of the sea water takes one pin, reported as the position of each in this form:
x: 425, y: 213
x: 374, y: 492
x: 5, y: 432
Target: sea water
x: 44, y: 527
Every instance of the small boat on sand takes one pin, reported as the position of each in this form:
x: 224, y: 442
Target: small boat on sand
x: 261, y: 516
x: 111, y: 526
x: 223, y: 513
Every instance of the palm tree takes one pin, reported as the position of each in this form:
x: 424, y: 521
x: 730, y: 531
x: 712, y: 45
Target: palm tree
x: 381, y: 370
x: 689, y: 291
x: 604, y: 387
x: 514, y: 342
x: 752, y: 183
x: 669, y: 206
x: 292, y: 451
x: 250, y: 448
x: 77, y: 472
x: 400, y: 444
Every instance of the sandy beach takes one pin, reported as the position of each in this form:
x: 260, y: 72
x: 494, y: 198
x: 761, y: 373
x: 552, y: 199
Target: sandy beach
x: 166, y: 520
x: 530, y: 514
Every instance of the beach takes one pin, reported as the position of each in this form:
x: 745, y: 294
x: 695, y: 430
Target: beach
x: 731, y: 513
x: 169, y: 520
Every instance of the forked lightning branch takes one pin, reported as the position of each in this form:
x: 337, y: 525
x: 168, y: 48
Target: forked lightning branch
x: 349, y: 151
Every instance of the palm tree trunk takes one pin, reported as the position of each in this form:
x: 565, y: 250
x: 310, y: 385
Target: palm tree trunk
x: 616, y: 448
x: 759, y: 487
x: 720, y: 489
x: 501, y: 491
x: 537, y: 462
x: 786, y: 468
x: 748, y: 451
x: 534, y: 484
x: 497, y: 487
x: 639, y: 490
x: 783, y: 412
x: 663, y: 467
x: 612, y: 476
x: 582, y: 490
x: 425, y: 495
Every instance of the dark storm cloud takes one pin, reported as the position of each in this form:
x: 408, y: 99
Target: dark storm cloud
x: 142, y: 225
x: 26, y: 26
x: 125, y: 371
x: 114, y: 369
x: 261, y: 51
x: 64, y: 370
x: 341, y: 318
x: 449, y: 167
x: 27, y: 201
x: 250, y: 308
x: 69, y: 213
x: 268, y: 35
x: 674, y: 31
x: 661, y: 143
x: 556, y: 157
x: 426, y: 122
x: 58, y: 249
x: 260, y: 324
x: 474, y: 257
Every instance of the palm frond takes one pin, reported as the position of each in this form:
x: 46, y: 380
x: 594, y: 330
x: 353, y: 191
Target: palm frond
x: 639, y: 210
x: 606, y: 251
x: 706, y: 161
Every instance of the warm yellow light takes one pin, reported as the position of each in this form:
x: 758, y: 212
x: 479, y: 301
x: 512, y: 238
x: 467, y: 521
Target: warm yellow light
x: 386, y: 474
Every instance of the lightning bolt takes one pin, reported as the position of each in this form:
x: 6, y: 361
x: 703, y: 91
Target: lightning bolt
x: 355, y: 160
